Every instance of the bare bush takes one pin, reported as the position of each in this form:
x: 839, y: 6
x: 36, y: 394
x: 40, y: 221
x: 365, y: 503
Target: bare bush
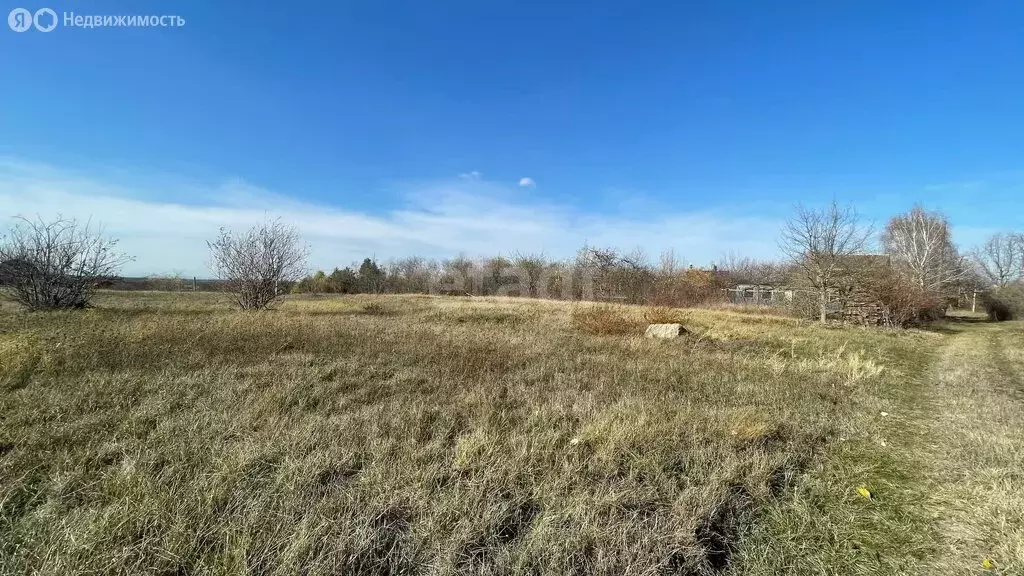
x: 625, y: 277
x: 55, y: 265
x: 688, y: 288
x: 903, y: 301
x: 820, y: 243
x: 255, y: 264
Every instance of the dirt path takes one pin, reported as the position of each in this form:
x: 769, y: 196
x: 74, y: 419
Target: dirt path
x: 971, y: 441
x: 941, y: 459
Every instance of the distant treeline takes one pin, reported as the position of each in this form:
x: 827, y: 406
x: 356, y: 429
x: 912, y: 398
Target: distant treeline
x: 162, y: 283
x: 593, y: 274
x: 835, y: 267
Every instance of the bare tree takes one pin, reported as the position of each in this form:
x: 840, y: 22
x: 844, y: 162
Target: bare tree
x: 493, y: 271
x: 1001, y: 259
x: 457, y: 276
x: 820, y: 244
x: 413, y: 273
x: 530, y: 269
x: 922, y: 248
x: 613, y: 275
x: 54, y: 265
x: 746, y: 270
x: 254, y: 264
x: 668, y: 264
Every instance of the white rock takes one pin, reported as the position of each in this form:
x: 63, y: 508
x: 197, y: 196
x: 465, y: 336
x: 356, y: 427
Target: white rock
x: 664, y: 331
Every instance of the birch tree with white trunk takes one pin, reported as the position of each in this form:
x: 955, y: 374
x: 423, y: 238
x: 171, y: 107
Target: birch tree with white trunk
x: 921, y: 246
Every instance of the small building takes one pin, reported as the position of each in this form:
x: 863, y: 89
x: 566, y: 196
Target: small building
x: 759, y: 294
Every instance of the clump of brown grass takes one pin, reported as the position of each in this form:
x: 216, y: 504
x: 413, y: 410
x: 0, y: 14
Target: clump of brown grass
x: 604, y: 320
x: 377, y: 309
x: 664, y: 315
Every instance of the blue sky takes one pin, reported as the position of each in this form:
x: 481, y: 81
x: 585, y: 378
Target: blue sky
x: 386, y: 128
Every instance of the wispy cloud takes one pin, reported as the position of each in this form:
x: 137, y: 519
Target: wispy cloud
x: 439, y: 219
x: 527, y: 182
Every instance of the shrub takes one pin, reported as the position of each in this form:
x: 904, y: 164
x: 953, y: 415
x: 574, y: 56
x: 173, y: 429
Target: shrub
x: 804, y: 305
x: 1006, y: 303
x: 55, y: 265
x: 904, y: 302
x: 604, y: 319
x: 256, y: 264
x: 690, y: 288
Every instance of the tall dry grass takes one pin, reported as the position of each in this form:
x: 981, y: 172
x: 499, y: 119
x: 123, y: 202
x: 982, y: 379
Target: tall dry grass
x: 166, y: 433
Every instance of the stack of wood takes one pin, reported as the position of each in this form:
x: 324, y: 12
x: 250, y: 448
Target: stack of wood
x: 863, y: 310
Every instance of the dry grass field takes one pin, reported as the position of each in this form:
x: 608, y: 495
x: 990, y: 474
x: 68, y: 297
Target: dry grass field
x: 164, y: 433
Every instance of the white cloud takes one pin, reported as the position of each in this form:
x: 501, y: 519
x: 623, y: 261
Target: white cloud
x: 435, y: 220
x: 527, y: 182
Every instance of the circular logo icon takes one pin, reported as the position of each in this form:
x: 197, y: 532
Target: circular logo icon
x: 20, y: 20
x: 45, y: 19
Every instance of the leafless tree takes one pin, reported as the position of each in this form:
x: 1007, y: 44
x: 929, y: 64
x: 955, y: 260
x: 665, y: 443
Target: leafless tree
x: 668, y: 264
x: 54, y: 265
x: 560, y: 281
x: 614, y: 275
x: 921, y: 246
x: 746, y: 270
x: 413, y: 273
x: 255, y: 263
x: 530, y: 268
x: 1001, y: 259
x: 820, y: 244
x: 492, y: 272
x: 457, y: 276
